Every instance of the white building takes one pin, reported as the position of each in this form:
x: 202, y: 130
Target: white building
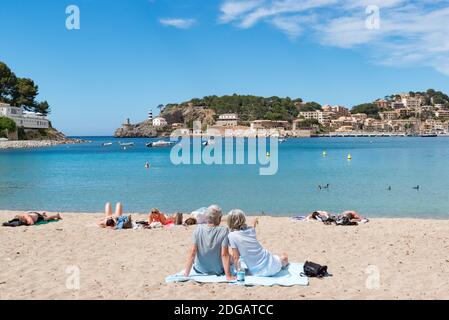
x: 25, y: 119
x: 442, y: 114
x: 159, y: 122
x: 228, y: 120
x: 411, y: 102
x: 322, y: 117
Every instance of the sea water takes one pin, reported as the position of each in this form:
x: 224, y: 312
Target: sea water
x: 81, y: 178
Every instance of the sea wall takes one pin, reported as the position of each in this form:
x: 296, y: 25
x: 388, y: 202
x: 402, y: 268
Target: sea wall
x: 27, y: 144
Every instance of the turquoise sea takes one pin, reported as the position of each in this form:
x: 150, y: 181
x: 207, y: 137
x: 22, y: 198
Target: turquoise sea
x: 83, y: 177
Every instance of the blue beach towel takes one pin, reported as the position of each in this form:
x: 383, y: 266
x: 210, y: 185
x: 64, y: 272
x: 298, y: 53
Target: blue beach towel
x: 286, y: 278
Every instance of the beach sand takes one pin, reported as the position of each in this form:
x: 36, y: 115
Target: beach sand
x: 410, y: 255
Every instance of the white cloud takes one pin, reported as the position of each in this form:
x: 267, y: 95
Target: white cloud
x: 232, y: 10
x: 177, y: 22
x: 412, y: 32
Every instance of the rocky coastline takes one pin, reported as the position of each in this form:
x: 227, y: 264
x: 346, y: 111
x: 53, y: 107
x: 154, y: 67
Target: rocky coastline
x: 29, y: 144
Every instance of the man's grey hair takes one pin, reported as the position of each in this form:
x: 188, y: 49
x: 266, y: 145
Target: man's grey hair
x: 214, y: 215
x: 236, y: 220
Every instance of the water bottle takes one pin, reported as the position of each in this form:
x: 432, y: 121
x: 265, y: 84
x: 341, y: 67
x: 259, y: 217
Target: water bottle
x: 240, y: 271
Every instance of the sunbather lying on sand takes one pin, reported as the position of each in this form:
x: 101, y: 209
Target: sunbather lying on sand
x: 156, y: 216
x: 244, y: 244
x: 318, y: 215
x: 353, y: 216
x: 116, y: 221
x: 31, y: 218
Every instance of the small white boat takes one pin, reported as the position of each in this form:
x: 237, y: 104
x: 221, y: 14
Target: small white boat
x: 128, y: 144
x: 160, y: 143
x: 282, y: 140
x: 106, y: 144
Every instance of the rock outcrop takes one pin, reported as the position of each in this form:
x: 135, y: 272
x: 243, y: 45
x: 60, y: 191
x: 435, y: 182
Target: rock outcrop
x: 141, y: 130
x: 180, y: 114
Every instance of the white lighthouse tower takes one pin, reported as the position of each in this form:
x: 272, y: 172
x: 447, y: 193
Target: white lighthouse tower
x: 150, y: 115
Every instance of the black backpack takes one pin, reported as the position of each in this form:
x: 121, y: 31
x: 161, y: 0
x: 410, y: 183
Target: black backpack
x: 314, y: 270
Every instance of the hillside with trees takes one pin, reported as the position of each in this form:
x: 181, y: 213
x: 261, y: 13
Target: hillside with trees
x: 20, y: 92
x: 248, y: 107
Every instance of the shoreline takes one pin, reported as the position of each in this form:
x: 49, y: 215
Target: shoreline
x: 32, y: 144
x: 248, y: 214
x: 407, y: 256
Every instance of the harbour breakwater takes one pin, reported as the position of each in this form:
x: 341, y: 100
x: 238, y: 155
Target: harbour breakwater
x: 28, y: 144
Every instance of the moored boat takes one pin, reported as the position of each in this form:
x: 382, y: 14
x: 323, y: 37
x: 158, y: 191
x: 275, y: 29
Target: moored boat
x: 127, y: 144
x: 160, y: 143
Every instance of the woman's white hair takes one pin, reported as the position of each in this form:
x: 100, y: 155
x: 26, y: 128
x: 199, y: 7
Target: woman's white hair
x: 236, y: 220
x: 214, y: 215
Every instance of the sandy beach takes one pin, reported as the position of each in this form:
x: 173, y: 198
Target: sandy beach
x: 410, y: 255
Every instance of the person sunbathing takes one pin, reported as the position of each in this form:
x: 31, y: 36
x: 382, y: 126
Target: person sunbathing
x: 31, y: 218
x: 353, y: 216
x: 244, y: 244
x: 117, y: 221
x: 156, y: 216
x: 318, y: 215
x: 209, y: 253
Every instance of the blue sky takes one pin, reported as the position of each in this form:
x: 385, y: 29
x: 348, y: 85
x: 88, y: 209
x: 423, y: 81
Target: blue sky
x: 130, y: 56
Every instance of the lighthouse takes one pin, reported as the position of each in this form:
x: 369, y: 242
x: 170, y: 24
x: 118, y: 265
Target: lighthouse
x: 150, y: 115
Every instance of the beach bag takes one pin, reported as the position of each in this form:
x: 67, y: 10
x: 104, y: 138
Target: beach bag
x: 314, y: 270
x: 190, y: 222
x: 128, y: 224
x: 178, y: 219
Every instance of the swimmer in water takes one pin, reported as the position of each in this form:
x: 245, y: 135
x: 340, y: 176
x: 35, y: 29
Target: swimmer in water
x: 147, y: 165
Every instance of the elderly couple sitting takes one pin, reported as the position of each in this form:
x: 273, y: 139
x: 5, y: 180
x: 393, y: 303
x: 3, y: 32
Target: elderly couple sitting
x: 210, y: 253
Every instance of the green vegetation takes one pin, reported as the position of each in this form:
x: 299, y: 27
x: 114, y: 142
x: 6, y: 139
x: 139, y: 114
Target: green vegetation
x: 6, y: 124
x: 308, y: 124
x: 437, y: 97
x: 370, y: 109
x: 248, y: 107
x: 310, y: 106
x: 20, y: 92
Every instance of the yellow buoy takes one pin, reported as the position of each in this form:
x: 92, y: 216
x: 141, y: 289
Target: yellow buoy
x: 268, y: 154
x: 349, y: 157
x: 324, y: 153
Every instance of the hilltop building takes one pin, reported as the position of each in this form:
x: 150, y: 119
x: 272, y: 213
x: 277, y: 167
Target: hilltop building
x: 228, y: 120
x: 159, y: 122
x: 24, y: 119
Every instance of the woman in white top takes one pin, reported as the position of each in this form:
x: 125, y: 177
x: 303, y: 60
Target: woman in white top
x: 244, y: 244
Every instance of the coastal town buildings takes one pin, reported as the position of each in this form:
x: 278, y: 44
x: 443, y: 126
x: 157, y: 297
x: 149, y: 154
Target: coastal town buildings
x: 389, y: 115
x: 24, y: 119
x: 383, y: 104
x: 412, y: 102
x: 442, y: 114
x: 159, y: 122
x: 322, y: 117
